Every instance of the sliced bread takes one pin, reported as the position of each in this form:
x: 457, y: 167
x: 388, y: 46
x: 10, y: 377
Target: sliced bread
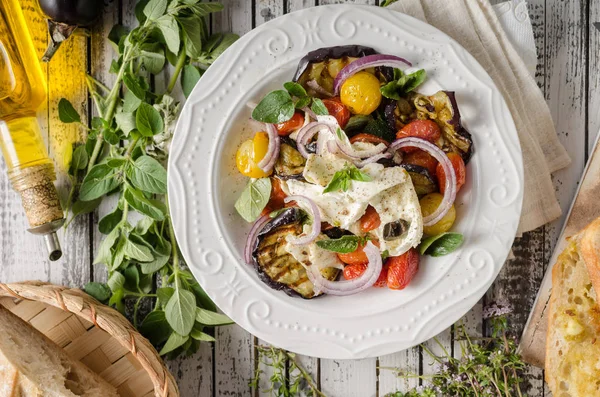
x: 31, y: 365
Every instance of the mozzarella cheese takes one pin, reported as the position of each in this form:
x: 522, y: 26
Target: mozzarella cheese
x: 312, y: 254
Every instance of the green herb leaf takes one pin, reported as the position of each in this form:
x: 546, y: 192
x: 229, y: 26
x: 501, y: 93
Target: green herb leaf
x: 385, y: 254
x: 406, y: 83
x: 181, y: 311
x: 104, y: 251
x: 380, y: 128
x: 319, y: 107
x: 155, y: 8
x: 302, y: 102
x: 358, y: 175
x: 206, y: 317
x: 152, y: 57
x: 155, y: 327
x: 130, y: 102
x: 164, y: 294
x: 274, y: 108
x: 79, y: 160
x: 85, y: 207
x: 116, y: 281
x: 152, y: 208
x: 174, y: 341
x: 134, y: 86
x: 342, y: 245
x: 148, y: 120
x: 442, y: 244
x: 137, y: 252
x: 110, y: 221
x: 203, y: 9
x: 144, y: 225
x: 190, y: 75
x: 125, y: 122
x: 202, y: 298
x: 295, y: 89
x: 116, y: 300
x: 357, y: 123
x: 117, y: 32
x: 226, y: 41
x: 99, y: 291
x: 342, y: 179
x: 67, y: 113
x: 201, y: 336
x: 148, y: 175
x: 100, y: 180
x: 170, y: 31
x: 254, y: 199
x: 192, y: 28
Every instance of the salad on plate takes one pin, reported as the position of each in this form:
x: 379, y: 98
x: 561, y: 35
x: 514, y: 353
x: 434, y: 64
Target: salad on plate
x: 352, y: 174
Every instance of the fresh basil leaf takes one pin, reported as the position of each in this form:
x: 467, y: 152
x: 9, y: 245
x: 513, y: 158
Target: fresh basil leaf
x: 137, y: 252
x: 303, y: 102
x: 442, y: 244
x: 319, y: 107
x: 414, y: 80
x: 276, y: 107
x: 99, y: 291
x: 148, y: 120
x: 155, y: 8
x: 155, y: 327
x: 201, y: 336
x: 295, y: 89
x: 67, y: 113
x: 85, y: 207
x: 79, y: 160
x: 181, y: 311
x: 125, y: 122
x: 110, y: 221
x: 152, y: 56
x: 170, y: 32
x: 406, y: 83
x: 190, y: 75
x: 164, y: 294
x: 254, y: 199
x: 148, y: 175
x: 151, y: 208
x: 342, y: 245
x: 175, y: 340
x: 134, y: 86
x: 206, y: 317
x: 116, y: 281
x: 357, y: 175
x: 340, y: 181
x: 130, y: 102
x: 192, y: 28
x: 100, y: 180
x: 380, y: 128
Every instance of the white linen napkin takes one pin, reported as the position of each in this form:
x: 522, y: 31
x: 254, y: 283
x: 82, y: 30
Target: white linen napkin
x: 501, y: 39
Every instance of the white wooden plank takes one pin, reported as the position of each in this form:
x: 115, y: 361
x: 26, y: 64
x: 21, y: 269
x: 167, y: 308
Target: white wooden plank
x: 295, y: 5
x: 408, y: 362
x: 593, y: 75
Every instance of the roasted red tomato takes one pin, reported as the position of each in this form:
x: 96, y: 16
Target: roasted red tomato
x: 287, y: 127
x: 370, y: 220
x: 459, y: 169
x: 277, y: 195
x: 369, y: 138
x: 357, y: 257
x: 402, y: 269
x: 338, y: 110
x: 421, y: 158
x: 354, y: 271
x: 424, y: 129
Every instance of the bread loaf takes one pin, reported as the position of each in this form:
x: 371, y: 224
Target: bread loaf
x: 573, y: 341
x: 31, y: 365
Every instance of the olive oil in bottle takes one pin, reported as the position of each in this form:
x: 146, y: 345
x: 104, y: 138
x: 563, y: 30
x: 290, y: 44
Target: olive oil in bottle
x: 22, y: 90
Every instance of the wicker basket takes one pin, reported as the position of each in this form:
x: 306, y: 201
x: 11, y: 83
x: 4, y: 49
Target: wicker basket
x: 97, y: 335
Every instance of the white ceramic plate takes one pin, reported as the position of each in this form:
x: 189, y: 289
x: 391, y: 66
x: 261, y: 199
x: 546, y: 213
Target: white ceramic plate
x: 204, y: 184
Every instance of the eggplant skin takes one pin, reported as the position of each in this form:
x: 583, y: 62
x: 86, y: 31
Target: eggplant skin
x: 322, y: 54
x: 290, y: 163
x: 422, y: 180
x: 275, y: 266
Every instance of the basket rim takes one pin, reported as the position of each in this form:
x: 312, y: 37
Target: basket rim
x: 76, y: 301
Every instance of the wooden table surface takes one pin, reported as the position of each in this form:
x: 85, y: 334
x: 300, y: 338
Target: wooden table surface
x: 568, y: 73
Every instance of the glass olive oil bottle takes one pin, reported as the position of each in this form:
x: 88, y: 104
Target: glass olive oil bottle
x: 22, y: 91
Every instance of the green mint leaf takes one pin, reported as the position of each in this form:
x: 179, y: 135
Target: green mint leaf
x: 342, y: 245
x: 125, y: 122
x: 442, y: 244
x: 319, y: 107
x: 148, y: 175
x: 303, y: 102
x: 110, y: 221
x: 175, y: 340
x: 206, y: 317
x: 99, y: 291
x: 201, y: 336
x: 155, y: 8
x: 85, y: 207
x: 130, y: 102
x: 181, y: 311
x: 134, y: 86
x: 67, y: 113
x: 137, y: 252
x: 276, y: 107
x: 170, y: 32
x: 152, y: 57
x: 190, y: 75
x: 116, y: 281
x: 295, y: 89
x: 155, y: 327
x: 192, y: 28
x: 148, y: 120
x: 79, y: 161
x: 254, y: 199
x: 100, y: 180
x: 149, y: 207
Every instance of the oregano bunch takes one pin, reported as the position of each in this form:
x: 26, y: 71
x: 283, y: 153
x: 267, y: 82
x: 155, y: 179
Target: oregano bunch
x: 124, y: 156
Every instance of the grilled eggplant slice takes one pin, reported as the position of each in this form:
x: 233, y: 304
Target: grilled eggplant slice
x: 275, y: 266
x: 443, y: 109
x: 290, y: 163
x: 421, y: 179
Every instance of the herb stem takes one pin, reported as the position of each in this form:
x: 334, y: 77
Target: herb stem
x: 309, y: 379
x: 97, y: 82
x: 136, y: 308
x: 178, y: 67
x: 131, y: 147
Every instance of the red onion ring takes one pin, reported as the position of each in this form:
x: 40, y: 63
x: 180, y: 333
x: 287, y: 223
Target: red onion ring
x: 349, y: 287
x: 346, y: 147
x: 308, y: 112
x: 256, y: 228
x: 440, y: 156
x: 306, y: 133
x: 313, y: 212
x: 374, y: 159
x: 267, y: 162
x: 370, y: 61
x: 318, y: 89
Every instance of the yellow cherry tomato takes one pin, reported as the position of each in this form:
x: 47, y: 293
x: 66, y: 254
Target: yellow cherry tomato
x: 429, y: 204
x: 360, y: 93
x: 249, y: 155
